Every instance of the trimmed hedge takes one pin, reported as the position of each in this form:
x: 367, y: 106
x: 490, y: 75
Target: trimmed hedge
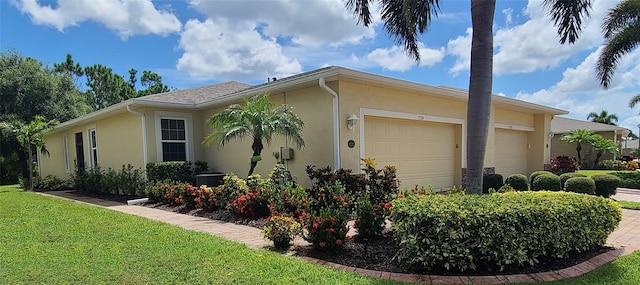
x: 179, y: 171
x: 518, y: 182
x: 628, y: 179
x: 606, y: 184
x: 497, y: 230
x: 491, y: 181
x: 565, y: 176
x: 583, y: 185
x: 548, y: 181
x: 535, y: 174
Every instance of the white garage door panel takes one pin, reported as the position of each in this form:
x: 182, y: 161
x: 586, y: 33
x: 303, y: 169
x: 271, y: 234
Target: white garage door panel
x: 422, y: 152
x: 511, y: 149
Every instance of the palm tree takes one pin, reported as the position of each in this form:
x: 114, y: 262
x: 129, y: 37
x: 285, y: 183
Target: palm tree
x: 258, y: 119
x: 578, y: 137
x: 634, y: 101
x: 604, y: 118
x: 621, y: 29
x: 29, y: 136
x: 602, y: 145
x: 404, y: 19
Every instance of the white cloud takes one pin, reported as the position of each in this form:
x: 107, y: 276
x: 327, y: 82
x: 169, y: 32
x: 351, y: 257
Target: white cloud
x: 532, y: 45
x: 126, y: 17
x: 223, y: 50
x: 508, y: 18
x: 396, y: 59
x: 307, y: 23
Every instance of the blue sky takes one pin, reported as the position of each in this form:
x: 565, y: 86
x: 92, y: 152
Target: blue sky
x: 198, y: 42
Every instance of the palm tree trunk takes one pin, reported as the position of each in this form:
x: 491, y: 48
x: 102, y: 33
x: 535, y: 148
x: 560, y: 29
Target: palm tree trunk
x: 598, y: 156
x: 579, y: 149
x: 480, y: 90
x: 30, y: 166
x: 257, y: 150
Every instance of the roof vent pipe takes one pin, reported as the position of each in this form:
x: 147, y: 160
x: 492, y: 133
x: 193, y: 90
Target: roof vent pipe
x: 336, y: 123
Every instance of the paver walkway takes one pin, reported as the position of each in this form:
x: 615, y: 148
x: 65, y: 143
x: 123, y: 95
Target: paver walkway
x: 627, y: 235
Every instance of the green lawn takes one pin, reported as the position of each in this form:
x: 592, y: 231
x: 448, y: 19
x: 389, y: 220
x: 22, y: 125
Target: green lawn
x: 629, y: 205
x: 45, y: 240
x: 590, y: 173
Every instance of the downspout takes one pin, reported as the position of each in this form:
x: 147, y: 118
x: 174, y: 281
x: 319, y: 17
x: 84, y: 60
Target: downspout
x: 144, y: 134
x: 336, y: 123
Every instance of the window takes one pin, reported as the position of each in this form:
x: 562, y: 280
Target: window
x: 174, y: 143
x: 93, y: 148
x: 65, y: 151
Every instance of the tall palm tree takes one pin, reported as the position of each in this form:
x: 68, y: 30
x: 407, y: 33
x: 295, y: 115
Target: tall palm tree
x: 404, y: 19
x: 578, y: 137
x: 258, y: 119
x: 29, y: 136
x: 602, y: 145
x: 604, y: 117
x: 621, y: 29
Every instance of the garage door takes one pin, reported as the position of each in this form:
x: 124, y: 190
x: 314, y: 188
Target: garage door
x: 511, y: 149
x: 422, y: 152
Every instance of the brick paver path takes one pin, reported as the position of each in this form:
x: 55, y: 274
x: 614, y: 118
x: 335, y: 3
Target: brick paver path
x: 627, y: 235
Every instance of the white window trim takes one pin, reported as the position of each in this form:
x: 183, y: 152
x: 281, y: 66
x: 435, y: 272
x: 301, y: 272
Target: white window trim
x: 188, y: 118
x: 415, y: 117
x: 90, y: 146
x: 65, y: 153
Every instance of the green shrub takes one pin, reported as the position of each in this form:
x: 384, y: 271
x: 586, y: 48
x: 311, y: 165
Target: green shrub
x: 548, y: 181
x: 628, y: 179
x: 606, y: 184
x: 563, y: 164
x: 565, y: 176
x: 534, y: 175
x: 128, y: 181
x: 583, y: 185
x: 232, y: 187
x: 180, y: 171
x: 491, y: 181
x: 518, y: 182
x: 497, y: 230
x: 611, y: 164
x: 167, y: 192
x: 49, y: 183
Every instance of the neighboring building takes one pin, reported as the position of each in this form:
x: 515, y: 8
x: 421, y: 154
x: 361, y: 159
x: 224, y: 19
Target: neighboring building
x: 561, y: 126
x: 630, y: 147
x: 420, y: 129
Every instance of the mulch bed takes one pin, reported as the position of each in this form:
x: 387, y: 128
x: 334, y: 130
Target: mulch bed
x: 374, y: 254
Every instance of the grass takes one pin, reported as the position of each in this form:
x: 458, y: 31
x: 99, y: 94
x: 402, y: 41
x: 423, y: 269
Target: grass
x: 46, y: 240
x: 590, y: 173
x: 629, y: 205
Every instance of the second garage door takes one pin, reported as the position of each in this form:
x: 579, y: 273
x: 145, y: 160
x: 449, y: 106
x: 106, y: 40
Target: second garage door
x: 511, y: 148
x: 422, y: 152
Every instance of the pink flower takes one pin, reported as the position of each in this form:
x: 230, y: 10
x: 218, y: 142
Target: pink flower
x: 338, y: 241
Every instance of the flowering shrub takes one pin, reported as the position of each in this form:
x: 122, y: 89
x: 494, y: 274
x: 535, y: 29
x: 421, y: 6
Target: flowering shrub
x: 373, y: 208
x: 281, y: 230
x: 232, y: 187
x: 167, y: 192
x: 563, y: 164
x: 328, y: 230
x: 250, y: 204
x: 288, y: 201
x: 202, y: 197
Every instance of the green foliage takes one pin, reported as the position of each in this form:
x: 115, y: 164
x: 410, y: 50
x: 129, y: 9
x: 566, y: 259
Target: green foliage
x: 602, y: 146
x: 515, y: 228
x: 168, y: 192
x: 327, y: 230
x: 628, y: 179
x: 566, y: 176
x: 583, y: 185
x: 354, y: 184
x: 563, y: 164
x: 606, y: 184
x: 49, y: 183
x: 549, y: 182
x: 181, y: 171
x: 491, y: 181
x: 535, y: 174
x: 288, y: 200
x: 232, y: 187
x: 128, y: 181
x: 519, y: 182
x: 281, y: 230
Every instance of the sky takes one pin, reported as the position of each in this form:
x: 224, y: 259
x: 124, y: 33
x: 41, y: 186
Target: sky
x: 199, y: 42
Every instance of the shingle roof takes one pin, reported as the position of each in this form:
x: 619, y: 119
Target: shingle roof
x: 197, y: 95
x: 560, y: 125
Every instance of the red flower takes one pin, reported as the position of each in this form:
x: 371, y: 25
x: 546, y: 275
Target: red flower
x: 400, y: 196
x: 387, y: 205
x: 338, y: 241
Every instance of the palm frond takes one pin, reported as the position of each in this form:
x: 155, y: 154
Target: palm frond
x: 620, y: 16
x: 567, y: 16
x: 634, y: 100
x: 361, y: 10
x: 617, y: 46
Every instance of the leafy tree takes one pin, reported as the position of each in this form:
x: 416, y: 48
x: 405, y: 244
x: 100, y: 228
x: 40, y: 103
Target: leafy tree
x: 29, y: 136
x: 578, y: 137
x: 105, y: 87
x: 258, y: 119
x: 604, y: 118
x: 153, y: 84
x: 621, y: 29
x: 404, y: 19
x: 601, y: 146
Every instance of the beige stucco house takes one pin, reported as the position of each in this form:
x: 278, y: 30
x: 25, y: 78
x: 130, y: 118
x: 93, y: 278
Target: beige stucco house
x: 561, y: 126
x: 349, y: 115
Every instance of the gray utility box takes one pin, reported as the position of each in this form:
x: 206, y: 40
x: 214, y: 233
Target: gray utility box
x: 286, y: 153
x: 210, y: 179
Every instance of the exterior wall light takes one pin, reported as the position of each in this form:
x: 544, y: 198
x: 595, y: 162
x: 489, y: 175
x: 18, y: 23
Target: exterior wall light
x: 351, y: 121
